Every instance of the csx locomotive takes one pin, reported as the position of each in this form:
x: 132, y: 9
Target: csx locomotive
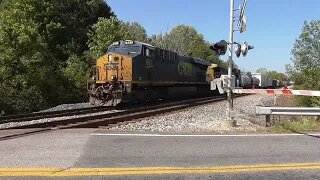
x: 132, y: 70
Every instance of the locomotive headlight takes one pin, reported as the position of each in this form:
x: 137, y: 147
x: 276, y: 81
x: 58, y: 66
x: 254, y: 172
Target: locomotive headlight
x: 109, y: 57
x: 93, y: 77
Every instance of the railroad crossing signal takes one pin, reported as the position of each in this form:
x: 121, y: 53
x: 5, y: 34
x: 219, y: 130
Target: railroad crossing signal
x: 220, y: 47
x: 243, y: 48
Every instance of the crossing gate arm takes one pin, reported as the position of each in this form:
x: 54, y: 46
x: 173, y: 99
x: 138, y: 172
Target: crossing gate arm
x: 278, y: 92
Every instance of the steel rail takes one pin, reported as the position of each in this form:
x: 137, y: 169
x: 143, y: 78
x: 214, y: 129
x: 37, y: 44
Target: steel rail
x: 51, y: 114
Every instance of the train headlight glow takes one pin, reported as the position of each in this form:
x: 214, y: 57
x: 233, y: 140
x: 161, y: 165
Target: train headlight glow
x: 128, y: 42
x: 109, y: 57
x: 117, y: 43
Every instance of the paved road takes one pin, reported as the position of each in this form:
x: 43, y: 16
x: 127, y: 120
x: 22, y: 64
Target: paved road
x: 87, y: 152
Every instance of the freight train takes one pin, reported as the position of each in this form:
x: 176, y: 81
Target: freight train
x: 132, y: 70
x: 266, y: 82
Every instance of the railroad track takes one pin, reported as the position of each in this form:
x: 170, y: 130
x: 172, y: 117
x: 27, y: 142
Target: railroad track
x: 51, y: 114
x: 95, y: 121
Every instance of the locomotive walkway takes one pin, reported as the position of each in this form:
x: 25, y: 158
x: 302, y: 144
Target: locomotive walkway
x: 92, y: 152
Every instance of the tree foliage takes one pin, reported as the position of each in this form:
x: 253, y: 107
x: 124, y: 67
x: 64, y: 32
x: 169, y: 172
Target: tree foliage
x: 182, y: 39
x: 306, y: 61
x: 185, y: 40
x: 137, y: 32
x: 272, y: 74
x: 262, y: 71
x: 277, y: 75
x: 22, y: 54
x: 104, y: 32
x: 38, y: 37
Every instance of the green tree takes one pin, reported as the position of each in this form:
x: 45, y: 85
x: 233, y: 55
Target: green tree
x: 277, y: 75
x: 78, y: 71
x: 65, y: 25
x: 185, y: 40
x: 203, y: 51
x: 182, y: 39
x: 155, y: 40
x: 306, y: 61
x: 103, y: 33
x: 22, y: 54
x: 137, y: 32
x: 42, y: 51
x: 262, y: 71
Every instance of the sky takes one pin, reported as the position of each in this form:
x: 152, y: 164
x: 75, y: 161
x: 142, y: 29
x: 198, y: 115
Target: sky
x: 272, y: 25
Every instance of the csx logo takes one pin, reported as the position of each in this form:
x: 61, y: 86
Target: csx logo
x: 185, y: 69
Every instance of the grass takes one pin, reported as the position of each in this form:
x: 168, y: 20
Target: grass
x: 299, y: 125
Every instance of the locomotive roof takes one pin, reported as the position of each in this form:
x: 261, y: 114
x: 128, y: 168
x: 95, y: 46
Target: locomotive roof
x: 123, y: 43
x: 201, y: 61
x: 146, y: 44
x: 130, y: 42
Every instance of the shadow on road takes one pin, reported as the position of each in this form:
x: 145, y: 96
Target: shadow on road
x: 315, y: 136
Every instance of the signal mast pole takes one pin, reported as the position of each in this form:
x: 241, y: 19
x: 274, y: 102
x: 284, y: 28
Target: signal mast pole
x: 230, y: 49
x: 220, y: 48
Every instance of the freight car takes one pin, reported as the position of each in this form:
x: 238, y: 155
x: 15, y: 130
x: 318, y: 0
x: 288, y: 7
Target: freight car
x: 262, y: 78
x: 132, y: 70
x: 249, y: 81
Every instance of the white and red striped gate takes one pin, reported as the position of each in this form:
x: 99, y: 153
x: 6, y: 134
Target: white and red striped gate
x: 277, y: 92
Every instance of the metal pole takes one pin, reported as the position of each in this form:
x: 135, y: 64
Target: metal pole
x: 230, y: 108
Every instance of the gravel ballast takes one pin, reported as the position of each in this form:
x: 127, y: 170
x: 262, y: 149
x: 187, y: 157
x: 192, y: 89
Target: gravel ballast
x: 17, y: 124
x: 69, y: 106
x: 204, y: 118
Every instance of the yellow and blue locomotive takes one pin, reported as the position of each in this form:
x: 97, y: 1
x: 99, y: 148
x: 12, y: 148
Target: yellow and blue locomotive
x: 132, y: 70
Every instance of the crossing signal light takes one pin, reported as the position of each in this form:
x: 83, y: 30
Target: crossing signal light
x: 243, y: 49
x: 238, y: 50
x: 220, y: 47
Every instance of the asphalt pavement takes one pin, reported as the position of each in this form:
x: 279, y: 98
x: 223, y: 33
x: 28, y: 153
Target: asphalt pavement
x: 101, y: 154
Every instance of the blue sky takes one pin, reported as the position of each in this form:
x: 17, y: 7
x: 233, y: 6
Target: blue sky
x: 272, y: 25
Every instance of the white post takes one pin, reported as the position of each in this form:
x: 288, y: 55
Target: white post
x: 229, y: 120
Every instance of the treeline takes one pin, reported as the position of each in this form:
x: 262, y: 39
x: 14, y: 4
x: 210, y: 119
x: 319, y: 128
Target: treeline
x: 273, y: 74
x: 305, y: 71
x: 47, y: 49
